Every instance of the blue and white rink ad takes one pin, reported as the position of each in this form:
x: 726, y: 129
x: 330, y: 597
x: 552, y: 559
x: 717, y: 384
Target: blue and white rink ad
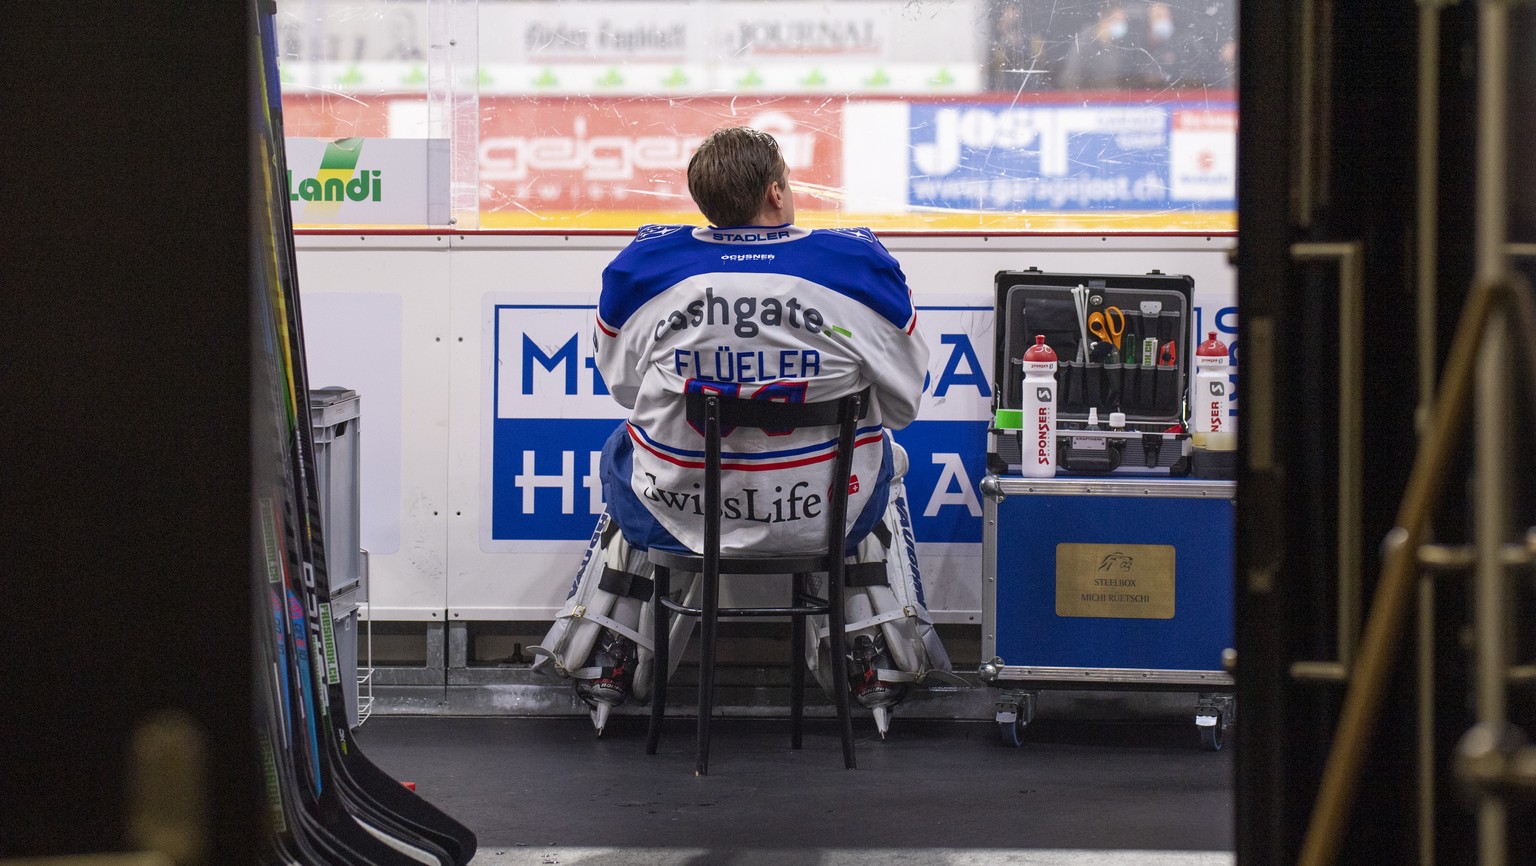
x: 551, y: 413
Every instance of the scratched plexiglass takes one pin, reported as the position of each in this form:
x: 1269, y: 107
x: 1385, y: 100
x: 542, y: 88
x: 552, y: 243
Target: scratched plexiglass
x: 924, y: 115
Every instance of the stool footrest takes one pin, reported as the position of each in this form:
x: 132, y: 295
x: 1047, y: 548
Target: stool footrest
x: 741, y: 565
x: 814, y: 610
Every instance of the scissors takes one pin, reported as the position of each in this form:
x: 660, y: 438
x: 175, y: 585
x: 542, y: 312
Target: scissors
x: 1105, y: 327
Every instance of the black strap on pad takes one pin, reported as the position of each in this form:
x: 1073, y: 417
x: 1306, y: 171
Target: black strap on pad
x: 865, y: 574
x: 624, y: 584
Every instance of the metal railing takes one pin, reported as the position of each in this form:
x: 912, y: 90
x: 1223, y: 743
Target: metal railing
x: 1499, y: 305
x: 1497, y: 329
x: 365, y: 670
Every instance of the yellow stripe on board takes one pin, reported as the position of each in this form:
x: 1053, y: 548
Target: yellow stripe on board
x: 324, y: 209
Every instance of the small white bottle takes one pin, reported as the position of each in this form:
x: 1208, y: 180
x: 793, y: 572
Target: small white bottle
x: 1039, y: 404
x: 1214, y: 428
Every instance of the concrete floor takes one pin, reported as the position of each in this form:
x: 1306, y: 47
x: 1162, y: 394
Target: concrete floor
x: 546, y: 791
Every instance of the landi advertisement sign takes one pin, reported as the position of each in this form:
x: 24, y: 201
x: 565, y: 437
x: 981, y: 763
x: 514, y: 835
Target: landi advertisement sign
x: 579, y: 154
x: 368, y: 181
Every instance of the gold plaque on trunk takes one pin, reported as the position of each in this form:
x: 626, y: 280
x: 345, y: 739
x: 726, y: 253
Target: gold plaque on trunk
x: 1115, y: 580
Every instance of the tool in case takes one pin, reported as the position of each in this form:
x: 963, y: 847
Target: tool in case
x: 1122, y: 342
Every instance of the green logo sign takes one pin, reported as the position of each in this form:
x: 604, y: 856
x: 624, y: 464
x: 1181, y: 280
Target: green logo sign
x: 338, y: 179
x: 367, y: 186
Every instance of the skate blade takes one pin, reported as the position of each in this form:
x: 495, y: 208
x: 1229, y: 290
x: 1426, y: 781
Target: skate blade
x: 600, y: 716
x: 944, y: 678
x: 882, y: 719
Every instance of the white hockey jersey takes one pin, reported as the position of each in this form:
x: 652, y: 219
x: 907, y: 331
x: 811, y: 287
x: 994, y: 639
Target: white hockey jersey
x: 782, y: 313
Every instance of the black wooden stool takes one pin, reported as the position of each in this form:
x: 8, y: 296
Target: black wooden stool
x: 710, y: 412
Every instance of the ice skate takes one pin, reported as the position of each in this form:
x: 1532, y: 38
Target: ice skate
x: 867, y: 658
x: 614, y: 663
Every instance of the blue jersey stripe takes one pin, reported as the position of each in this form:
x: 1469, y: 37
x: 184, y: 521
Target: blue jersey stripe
x: 850, y: 264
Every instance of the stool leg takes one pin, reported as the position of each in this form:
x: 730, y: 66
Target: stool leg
x: 710, y: 622
x: 797, y: 663
x: 838, y: 649
x: 661, y: 635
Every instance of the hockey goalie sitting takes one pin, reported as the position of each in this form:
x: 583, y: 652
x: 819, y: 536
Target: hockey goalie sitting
x: 751, y: 307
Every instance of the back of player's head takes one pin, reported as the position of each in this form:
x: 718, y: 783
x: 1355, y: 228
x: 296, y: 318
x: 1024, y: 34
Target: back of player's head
x: 729, y: 174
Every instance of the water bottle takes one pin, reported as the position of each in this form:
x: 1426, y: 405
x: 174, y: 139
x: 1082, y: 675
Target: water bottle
x: 1039, y: 405
x: 1214, y: 429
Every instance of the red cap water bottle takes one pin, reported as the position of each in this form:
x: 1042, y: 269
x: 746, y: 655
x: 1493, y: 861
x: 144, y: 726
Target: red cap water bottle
x: 1038, y: 402
x: 1213, y: 347
x: 1214, y: 429
x: 1041, y: 352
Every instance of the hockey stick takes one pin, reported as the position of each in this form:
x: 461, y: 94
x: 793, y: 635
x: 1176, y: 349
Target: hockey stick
x: 369, y: 790
x: 332, y: 824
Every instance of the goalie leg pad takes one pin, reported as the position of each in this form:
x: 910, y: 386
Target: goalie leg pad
x: 605, y: 624
x: 891, y: 635
x: 913, y: 643
x: 603, y: 597
x: 686, y: 588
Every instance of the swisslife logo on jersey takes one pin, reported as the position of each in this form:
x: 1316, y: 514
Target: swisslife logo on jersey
x: 549, y: 413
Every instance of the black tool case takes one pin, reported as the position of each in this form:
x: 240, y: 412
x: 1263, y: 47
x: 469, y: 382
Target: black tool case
x: 1154, y: 439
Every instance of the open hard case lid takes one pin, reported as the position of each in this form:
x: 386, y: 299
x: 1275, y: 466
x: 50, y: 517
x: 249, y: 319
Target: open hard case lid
x: 1122, y: 341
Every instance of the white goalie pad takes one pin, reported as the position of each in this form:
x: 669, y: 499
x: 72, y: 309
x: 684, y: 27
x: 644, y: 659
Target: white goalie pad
x: 686, y: 588
x: 893, y: 603
x: 623, y: 608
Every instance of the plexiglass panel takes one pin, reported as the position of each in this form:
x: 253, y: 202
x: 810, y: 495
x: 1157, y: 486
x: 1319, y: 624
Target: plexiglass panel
x: 907, y: 114
x: 354, y: 67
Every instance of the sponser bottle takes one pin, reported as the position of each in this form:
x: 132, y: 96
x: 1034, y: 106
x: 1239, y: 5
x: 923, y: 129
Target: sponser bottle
x: 1039, y: 405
